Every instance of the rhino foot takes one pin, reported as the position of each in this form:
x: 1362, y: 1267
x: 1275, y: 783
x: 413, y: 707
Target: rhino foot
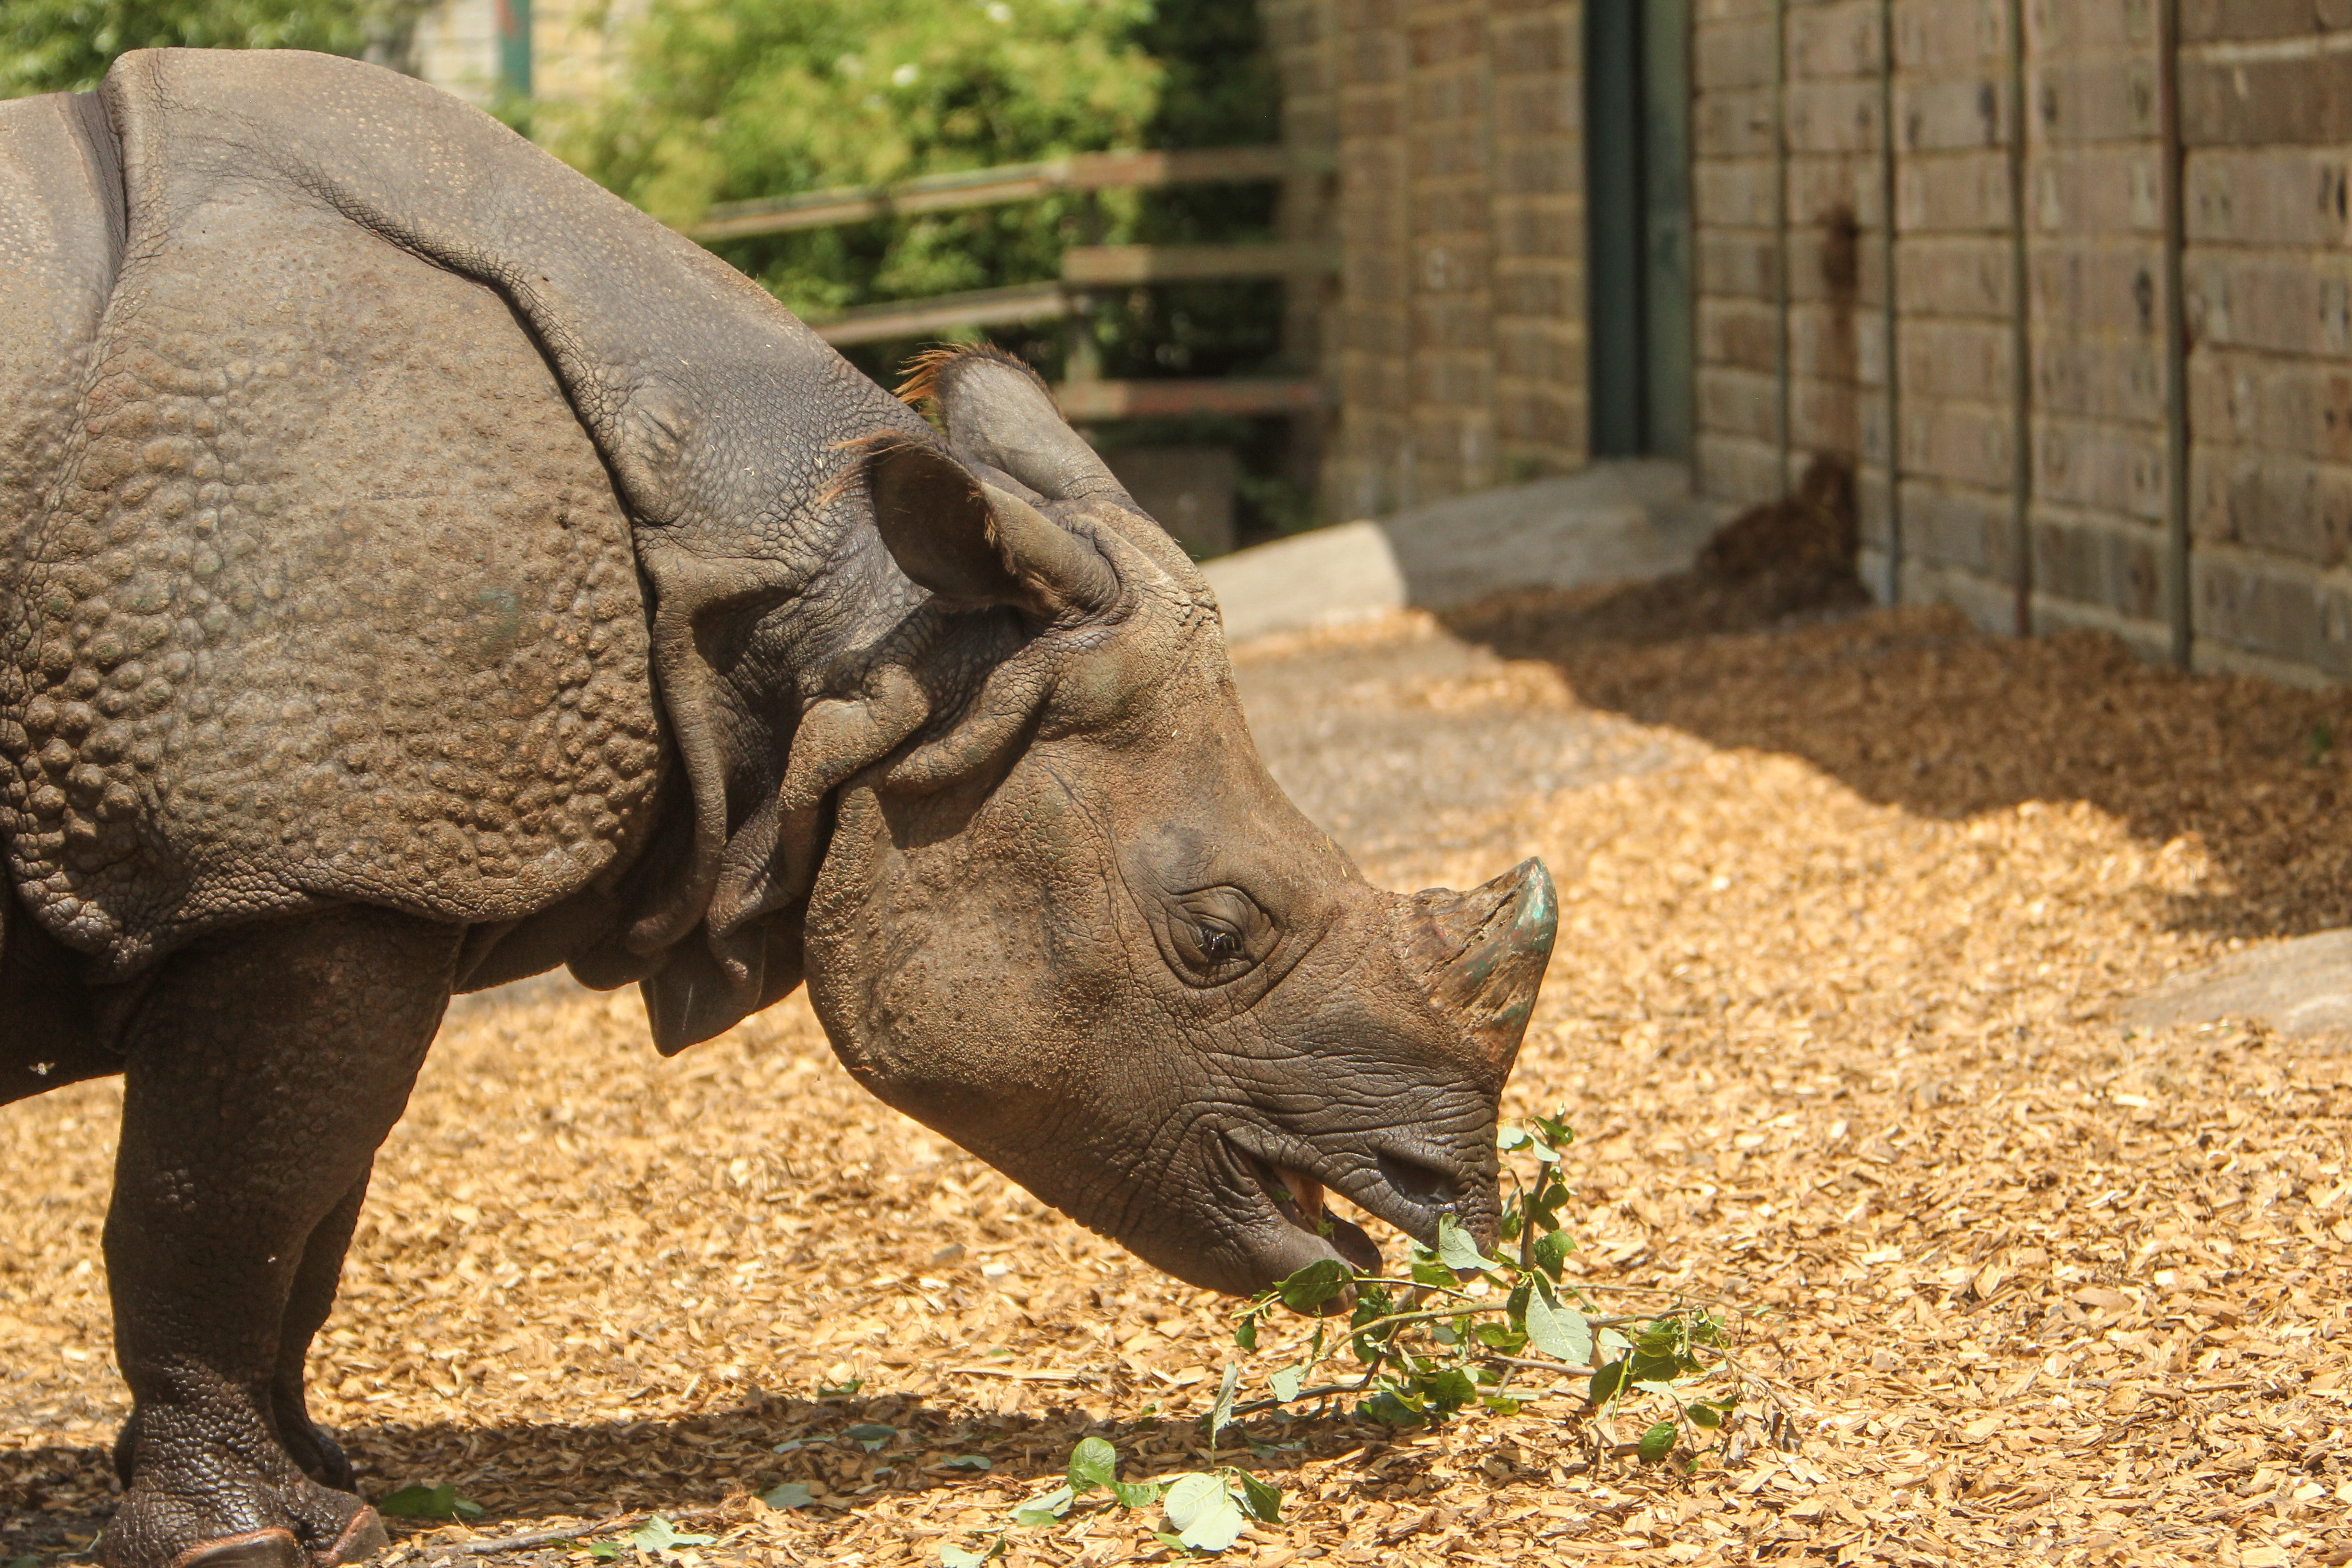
x: 209, y: 1507
x: 317, y: 1454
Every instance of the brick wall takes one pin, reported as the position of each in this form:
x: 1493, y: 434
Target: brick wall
x: 1456, y: 350
x: 2266, y: 133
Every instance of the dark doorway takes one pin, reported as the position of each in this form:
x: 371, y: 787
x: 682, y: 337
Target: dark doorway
x: 1638, y: 206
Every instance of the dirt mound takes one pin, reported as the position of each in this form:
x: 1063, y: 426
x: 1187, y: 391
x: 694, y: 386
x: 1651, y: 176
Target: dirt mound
x: 1792, y: 559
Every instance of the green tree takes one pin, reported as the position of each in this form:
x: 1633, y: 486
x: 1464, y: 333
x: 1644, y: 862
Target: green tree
x: 736, y: 100
x: 64, y: 46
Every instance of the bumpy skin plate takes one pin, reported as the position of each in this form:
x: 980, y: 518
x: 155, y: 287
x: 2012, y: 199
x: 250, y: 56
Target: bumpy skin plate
x: 324, y: 594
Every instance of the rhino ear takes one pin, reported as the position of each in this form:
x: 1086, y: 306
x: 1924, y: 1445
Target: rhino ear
x: 973, y: 544
x: 998, y: 410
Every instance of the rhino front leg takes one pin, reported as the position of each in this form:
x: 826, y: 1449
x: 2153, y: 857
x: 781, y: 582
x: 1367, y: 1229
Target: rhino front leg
x: 261, y: 1072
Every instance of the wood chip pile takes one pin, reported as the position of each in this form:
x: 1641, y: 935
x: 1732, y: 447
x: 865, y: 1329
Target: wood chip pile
x: 1835, y: 1011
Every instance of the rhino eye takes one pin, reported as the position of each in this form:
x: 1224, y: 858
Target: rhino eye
x: 1218, y: 934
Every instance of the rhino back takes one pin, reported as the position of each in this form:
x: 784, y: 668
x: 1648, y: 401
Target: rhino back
x: 331, y: 599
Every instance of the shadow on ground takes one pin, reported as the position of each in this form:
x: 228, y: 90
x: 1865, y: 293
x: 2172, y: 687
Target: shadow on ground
x: 1916, y: 709
x: 524, y: 1475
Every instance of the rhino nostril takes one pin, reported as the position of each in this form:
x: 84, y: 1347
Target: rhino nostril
x: 1431, y: 1187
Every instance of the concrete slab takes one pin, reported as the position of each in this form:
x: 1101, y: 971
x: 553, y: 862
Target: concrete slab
x: 1325, y: 578
x: 1614, y: 523
x: 2301, y: 987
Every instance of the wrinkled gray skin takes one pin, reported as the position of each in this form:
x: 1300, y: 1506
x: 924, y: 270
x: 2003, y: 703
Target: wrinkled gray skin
x: 423, y: 571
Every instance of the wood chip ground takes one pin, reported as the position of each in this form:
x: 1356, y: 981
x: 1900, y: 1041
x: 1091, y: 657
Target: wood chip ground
x: 1845, y: 927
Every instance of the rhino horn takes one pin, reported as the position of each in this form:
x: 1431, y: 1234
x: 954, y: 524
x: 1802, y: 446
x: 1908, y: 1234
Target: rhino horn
x: 1481, y: 955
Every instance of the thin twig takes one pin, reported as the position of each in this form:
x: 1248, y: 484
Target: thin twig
x: 1568, y: 1367
x: 1028, y: 1376
x: 531, y: 1538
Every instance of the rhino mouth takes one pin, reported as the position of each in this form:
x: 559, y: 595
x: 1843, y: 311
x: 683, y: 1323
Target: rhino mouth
x: 1297, y: 1197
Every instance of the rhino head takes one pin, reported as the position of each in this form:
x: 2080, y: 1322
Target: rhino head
x: 1063, y: 916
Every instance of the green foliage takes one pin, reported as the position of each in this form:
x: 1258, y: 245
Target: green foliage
x: 64, y: 46
x: 1444, y: 1340
x: 429, y: 1502
x: 1206, y: 1509
x: 659, y: 1534
x: 735, y: 99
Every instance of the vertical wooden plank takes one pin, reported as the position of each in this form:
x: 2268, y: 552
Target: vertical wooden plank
x: 2178, y: 604
x: 1890, y: 303
x: 1784, y: 302
x: 1613, y: 190
x: 2020, y: 333
x: 1670, y: 351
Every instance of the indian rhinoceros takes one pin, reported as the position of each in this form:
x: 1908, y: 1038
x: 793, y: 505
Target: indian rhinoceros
x: 424, y: 571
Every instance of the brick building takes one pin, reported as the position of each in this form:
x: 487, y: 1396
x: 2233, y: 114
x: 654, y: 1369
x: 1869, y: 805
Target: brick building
x: 2120, y: 321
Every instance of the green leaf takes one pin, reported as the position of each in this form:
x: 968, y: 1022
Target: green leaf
x: 1287, y: 1383
x: 1502, y: 1405
x: 1434, y: 1274
x: 1263, y: 1499
x: 429, y: 1502
x: 1558, y: 1330
x: 1203, y: 1513
x: 1245, y: 1333
x: 1550, y: 1252
x: 1171, y: 1540
x: 1390, y: 1411
x: 1502, y: 1337
x: 1606, y: 1381
x: 1457, y: 1251
x: 790, y: 1494
x: 1314, y: 1284
x: 968, y: 1462
x: 1093, y: 1463
x: 959, y: 1556
x: 1137, y: 1494
x: 1221, y: 1415
x: 1040, y: 1511
x: 1703, y: 1414
x: 1507, y: 1139
x: 1659, y: 1441
x: 1447, y: 1391
x: 840, y: 1390
x: 659, y: 1534
x: 605, y: 1550
x: 872, y: 1436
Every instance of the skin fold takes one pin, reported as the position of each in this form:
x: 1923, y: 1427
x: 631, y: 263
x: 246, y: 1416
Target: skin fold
x: 424, y: 571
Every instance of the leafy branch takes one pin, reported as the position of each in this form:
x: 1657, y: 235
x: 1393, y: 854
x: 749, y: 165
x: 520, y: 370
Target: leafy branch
x: 1443, y: 1338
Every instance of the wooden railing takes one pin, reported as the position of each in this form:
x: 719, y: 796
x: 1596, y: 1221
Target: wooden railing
x: 1084, y: 268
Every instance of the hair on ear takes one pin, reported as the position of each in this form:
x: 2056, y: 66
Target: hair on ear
x: 947, y: 361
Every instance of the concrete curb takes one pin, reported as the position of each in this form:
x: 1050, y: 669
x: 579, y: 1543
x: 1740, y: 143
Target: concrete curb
x: 1614, y: 523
